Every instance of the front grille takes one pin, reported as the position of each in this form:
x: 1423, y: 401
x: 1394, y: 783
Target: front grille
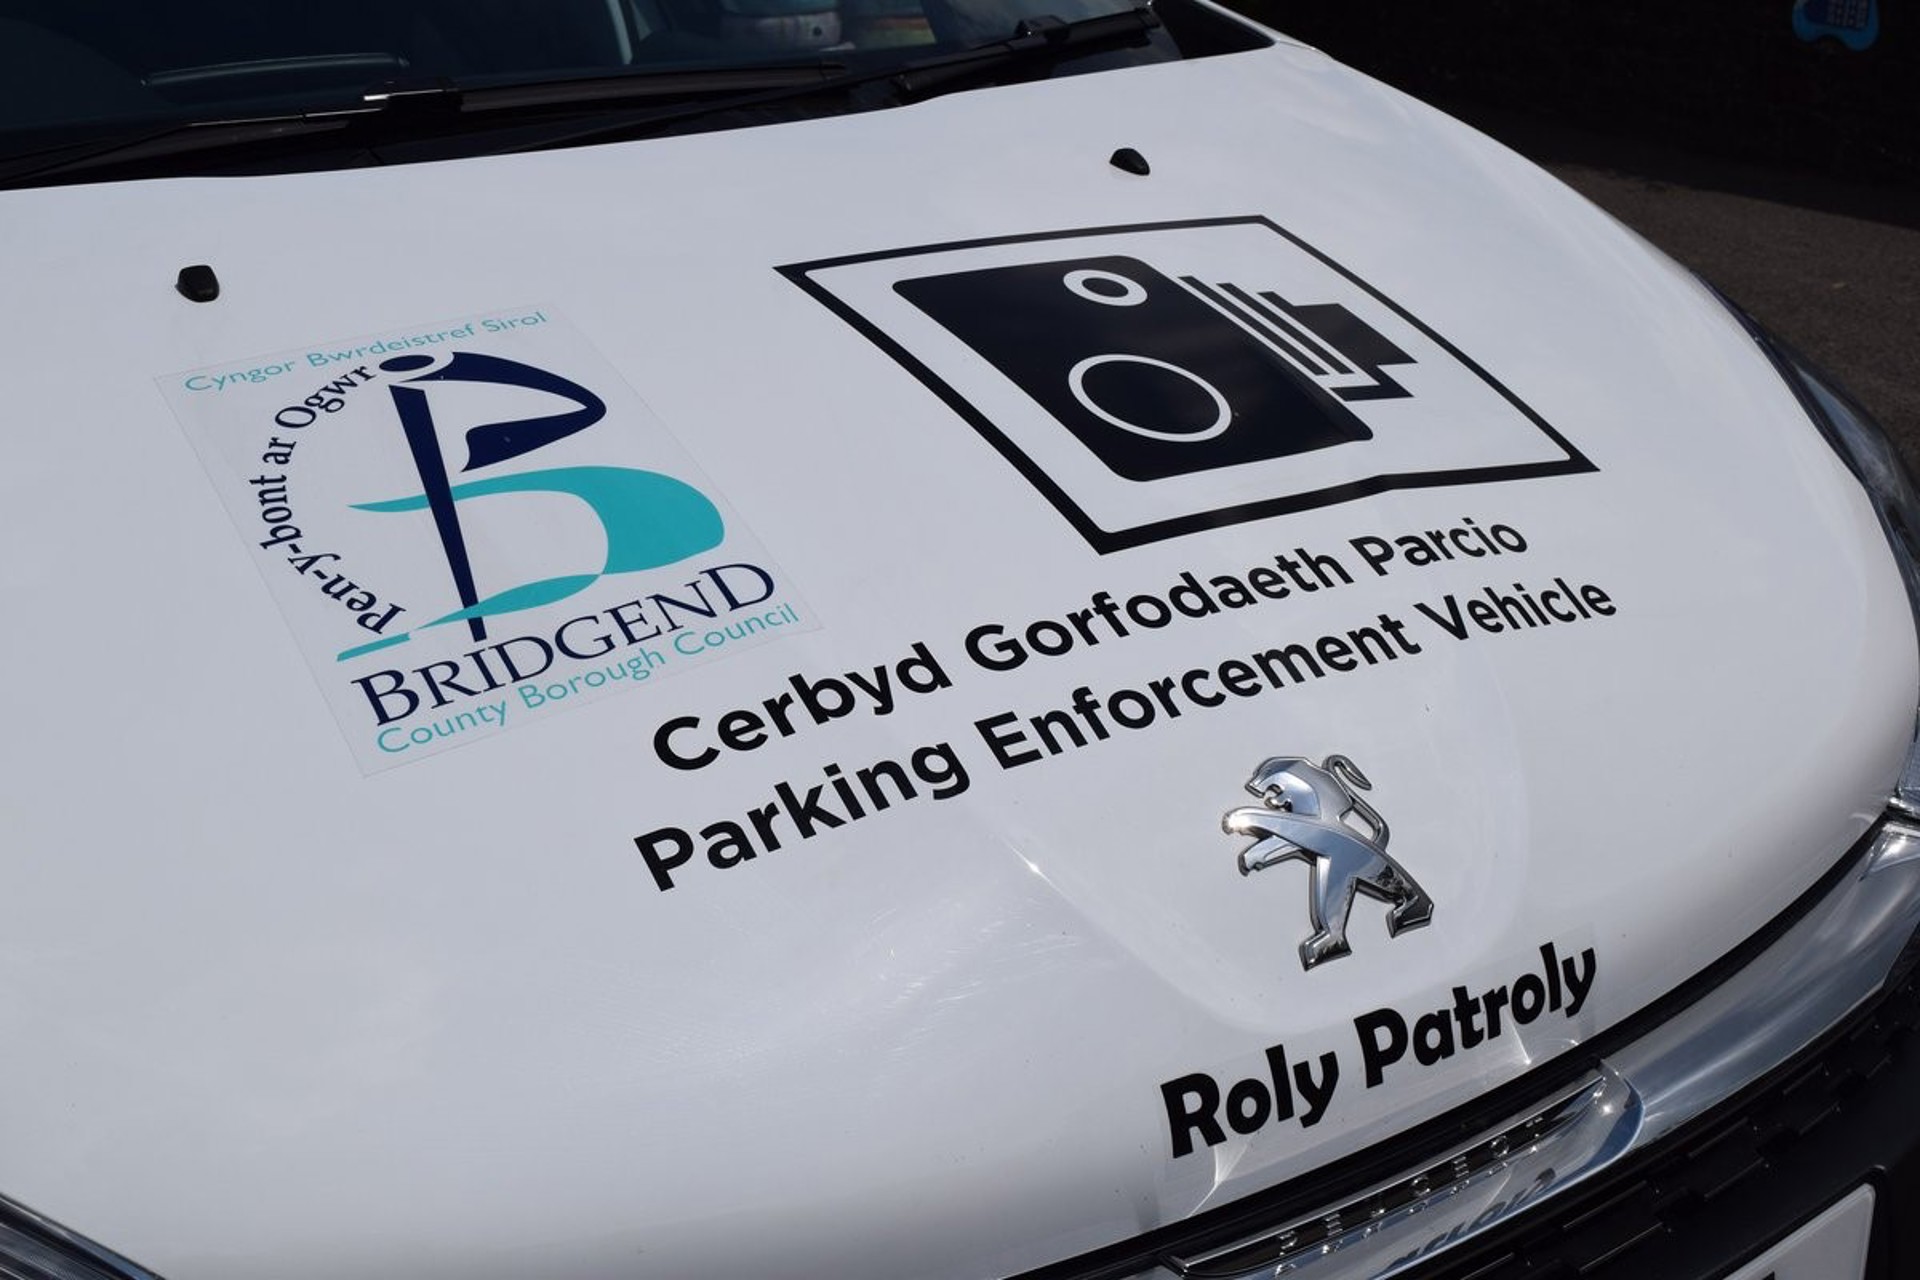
x: 1450, y: 1176
x: 1747, y: 1158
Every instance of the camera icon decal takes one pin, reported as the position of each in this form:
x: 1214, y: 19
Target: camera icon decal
x: 1157, y: 377
x: 1151, y: 381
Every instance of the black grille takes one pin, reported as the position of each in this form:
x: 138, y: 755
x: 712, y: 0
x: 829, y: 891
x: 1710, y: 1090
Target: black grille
x: 1766, y: 1160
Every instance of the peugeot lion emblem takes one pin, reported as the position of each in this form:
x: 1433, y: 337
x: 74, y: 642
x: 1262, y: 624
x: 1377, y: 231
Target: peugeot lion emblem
x: 1304, y: 814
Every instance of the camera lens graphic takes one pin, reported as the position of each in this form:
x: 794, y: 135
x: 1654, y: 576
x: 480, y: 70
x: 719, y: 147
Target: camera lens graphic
x: 1186, y: 407
x: 1108, y: 288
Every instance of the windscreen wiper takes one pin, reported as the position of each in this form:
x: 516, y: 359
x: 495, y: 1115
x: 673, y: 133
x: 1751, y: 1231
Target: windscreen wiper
x: 171, y: 139
x: 1036, y: 42
x: 418, y: 109
x: 430, y: 111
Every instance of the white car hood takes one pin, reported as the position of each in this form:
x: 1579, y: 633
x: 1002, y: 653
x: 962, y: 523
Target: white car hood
x: 274, y: 1008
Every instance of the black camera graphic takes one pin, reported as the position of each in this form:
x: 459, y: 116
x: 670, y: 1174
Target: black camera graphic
x: 1162, y: 377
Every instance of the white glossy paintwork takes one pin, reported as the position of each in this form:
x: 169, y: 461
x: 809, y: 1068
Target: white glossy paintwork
x: 265, y: 1015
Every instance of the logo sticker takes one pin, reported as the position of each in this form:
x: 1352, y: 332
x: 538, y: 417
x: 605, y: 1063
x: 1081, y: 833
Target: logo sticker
x: 473, y: 525
x: 1154, y: 380
x: 1304, y: 814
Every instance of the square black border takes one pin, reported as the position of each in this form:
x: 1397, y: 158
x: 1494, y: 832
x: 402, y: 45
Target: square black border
x: 1105, y: 541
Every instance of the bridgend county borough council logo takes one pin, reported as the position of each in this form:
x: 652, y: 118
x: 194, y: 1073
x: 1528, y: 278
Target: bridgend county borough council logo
x: 472, y: 525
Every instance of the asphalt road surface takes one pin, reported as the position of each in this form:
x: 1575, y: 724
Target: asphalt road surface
x: 1834, y: 268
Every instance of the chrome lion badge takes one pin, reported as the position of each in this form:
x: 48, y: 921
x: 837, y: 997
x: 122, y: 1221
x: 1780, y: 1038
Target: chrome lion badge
x: 1303, y: 814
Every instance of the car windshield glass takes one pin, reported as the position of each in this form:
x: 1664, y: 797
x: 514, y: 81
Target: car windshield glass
x: 77, y: 69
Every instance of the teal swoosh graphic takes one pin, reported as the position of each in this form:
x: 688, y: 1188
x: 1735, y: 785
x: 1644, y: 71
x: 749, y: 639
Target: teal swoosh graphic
x: 651, y: 520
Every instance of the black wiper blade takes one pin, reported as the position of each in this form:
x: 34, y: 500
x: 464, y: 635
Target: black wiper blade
x: 173, y: 139
x: 1035, y: 41
x: 390, y: 116
x: 645, y: 86
x: 419, y: 108
x: 1041, y: 39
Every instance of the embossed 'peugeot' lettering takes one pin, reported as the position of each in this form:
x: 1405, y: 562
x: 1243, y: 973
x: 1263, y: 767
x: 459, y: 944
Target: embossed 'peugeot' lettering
x: 1303, y: 814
